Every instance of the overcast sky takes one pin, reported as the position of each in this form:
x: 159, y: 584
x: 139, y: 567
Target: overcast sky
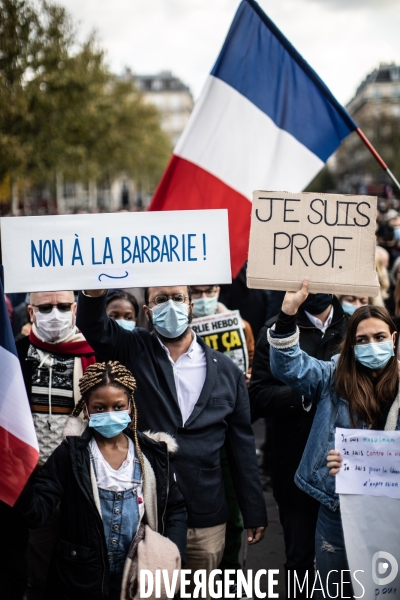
x: 343, y: 40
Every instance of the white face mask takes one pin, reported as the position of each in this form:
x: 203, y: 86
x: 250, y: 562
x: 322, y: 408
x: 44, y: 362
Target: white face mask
x: 54, y: 326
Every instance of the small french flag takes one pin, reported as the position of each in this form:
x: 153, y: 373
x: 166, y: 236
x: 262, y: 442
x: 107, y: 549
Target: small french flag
x: 264, y: 121
x: 19, y: 449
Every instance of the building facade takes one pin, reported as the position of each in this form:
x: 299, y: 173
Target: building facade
x: 172, y: 98
x: 375, y: 108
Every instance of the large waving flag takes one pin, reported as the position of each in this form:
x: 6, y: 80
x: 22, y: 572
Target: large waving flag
x: 264, y: 120
x: 19, y: 448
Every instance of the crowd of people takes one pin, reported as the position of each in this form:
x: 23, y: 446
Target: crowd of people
x: 147, y: 451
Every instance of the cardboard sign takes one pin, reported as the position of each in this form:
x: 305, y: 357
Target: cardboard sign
x: 327, y: 238
x: 115, y: 250
x: 371, y: 533
x: 224, y: 332
x: 371, y: 462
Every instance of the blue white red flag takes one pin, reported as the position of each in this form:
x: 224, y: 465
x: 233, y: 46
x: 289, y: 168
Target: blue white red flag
x: 19, y: 448
x: 264, y: 121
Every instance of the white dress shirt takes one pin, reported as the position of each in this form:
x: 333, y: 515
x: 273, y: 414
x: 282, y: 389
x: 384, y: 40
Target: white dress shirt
x: 189, y: 373
x: 318, y: 323
x: 323, y: 327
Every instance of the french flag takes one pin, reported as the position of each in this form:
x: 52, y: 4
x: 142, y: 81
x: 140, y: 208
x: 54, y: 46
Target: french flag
x: 264, y: 121
x: 19, y: 448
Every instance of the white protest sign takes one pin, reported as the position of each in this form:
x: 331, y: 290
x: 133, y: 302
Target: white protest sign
x: 115, y: 250
x: 327, y: 238
x: 371, y: 529
x: 371, y: 462
x: 224, y: 332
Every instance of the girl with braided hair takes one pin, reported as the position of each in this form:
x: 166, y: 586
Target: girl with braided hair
x: 117, y: 492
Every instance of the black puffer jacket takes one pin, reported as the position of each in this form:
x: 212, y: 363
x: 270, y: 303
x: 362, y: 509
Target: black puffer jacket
x: 79, y: 569
x: 283, y: 407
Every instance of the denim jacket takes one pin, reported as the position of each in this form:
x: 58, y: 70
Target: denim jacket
x: 314, y: 379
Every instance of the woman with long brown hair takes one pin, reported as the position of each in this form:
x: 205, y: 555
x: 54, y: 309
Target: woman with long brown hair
x: 359, y: 388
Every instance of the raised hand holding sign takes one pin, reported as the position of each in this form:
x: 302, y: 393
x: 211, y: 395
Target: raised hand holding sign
x: 326, y: 238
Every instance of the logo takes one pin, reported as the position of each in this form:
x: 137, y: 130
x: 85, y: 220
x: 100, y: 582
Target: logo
x: 384, y: 568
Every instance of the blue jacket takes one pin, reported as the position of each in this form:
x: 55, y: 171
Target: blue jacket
x: 315, y: 380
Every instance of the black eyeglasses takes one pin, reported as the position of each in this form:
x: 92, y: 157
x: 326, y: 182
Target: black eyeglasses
x: 162, y: 298
x: 47, y: 308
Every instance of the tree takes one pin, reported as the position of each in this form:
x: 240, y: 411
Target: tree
x: 18, y: 26
x: 61, y: 110
x: 323, y: 182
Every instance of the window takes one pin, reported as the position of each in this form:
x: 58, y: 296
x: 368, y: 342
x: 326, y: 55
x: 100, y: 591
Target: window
x: 175, y: 102
x: 157, y: 85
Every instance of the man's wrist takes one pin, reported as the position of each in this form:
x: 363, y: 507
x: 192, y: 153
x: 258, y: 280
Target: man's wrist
x: 286, y: 323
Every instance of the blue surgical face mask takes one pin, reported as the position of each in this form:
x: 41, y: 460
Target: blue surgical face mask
x: 375, y: 355
x: 110, y: 424
x: 125, y: 324
x: 348, y: 308
x: 171, y: 318
x: 203, y: 307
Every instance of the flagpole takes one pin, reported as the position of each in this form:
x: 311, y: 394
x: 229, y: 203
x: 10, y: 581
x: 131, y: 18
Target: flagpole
x: 377, y: 157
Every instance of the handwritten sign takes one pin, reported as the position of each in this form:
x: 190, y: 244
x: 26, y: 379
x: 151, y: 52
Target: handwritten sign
x: 115, y: 250
x: 371, y: 534
x: 328, y: 238
x: 371, y: 462
x: 224, y: 332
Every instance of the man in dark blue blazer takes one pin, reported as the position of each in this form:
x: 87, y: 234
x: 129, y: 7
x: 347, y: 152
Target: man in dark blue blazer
x: 196, y: 394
